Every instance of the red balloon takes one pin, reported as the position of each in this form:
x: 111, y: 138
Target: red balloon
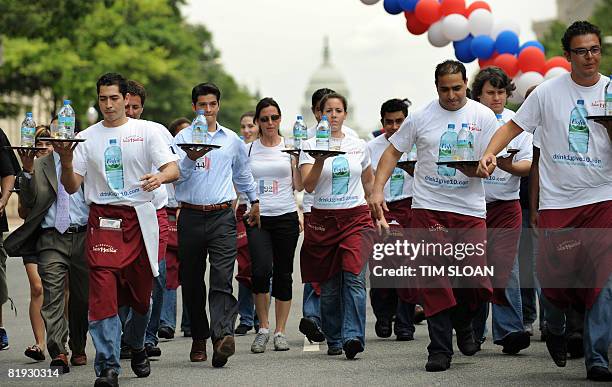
x: 452, y: 6
x: 531, y: 59
x: 484, y: 63
x: 428, y: 11
x: 508, y: 63
x: 557, y: 61
x: 476, y: 5
x: 414, y: 25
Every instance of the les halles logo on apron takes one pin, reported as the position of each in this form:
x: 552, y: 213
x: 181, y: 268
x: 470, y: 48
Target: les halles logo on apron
x: 104, y: 248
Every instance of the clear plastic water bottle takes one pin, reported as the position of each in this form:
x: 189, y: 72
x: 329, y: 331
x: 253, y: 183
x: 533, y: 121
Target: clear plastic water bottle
x: 66, y: 119
x: 113, y: 165
x: 500, y: 119
x: 28, y: 130
x: 299, y: 132
x: 447, y: 150
x: 608, y: 97
x: 578, y: 129
x: 465, y: 144
x: 412, y: 155
x: 322, y: 135
x: 200, y: 127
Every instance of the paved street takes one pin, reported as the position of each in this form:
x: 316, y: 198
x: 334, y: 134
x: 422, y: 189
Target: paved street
x: 385, y: 362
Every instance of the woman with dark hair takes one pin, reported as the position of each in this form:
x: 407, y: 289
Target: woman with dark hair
x: 337, y: 229
x: 248, y: 127
x: 272, y: 246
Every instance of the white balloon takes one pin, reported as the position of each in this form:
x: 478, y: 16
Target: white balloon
x: 369, y: 2
x: 554, y: 72
x: 435, y: 35
x: 526, y: 80
x: 505, y: 25
x: 480, y: 22
x: 455, y: 27
x: 516, y: 98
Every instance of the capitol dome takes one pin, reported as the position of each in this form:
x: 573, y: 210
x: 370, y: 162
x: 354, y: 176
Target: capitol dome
x: 326, y: 76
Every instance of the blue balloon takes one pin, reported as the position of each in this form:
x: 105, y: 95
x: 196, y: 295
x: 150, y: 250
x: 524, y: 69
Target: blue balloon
x: 408, y: 5
x: 463, y: 50
x: 507, y: 42
x: 532, y: 43
x: 393, y: 7
x: 483, y: 47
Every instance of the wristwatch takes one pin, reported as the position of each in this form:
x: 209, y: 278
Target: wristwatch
x: 254, y: 201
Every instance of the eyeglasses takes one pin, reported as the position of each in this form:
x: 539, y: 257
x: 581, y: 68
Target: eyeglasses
x: 595, y: 50
x: 273, y: 117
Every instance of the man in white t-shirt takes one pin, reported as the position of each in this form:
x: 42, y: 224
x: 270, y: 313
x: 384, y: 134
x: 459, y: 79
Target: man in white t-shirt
x: 114, y: 164
x: 445, y: 199
x: 575, y: 169
x: 492, y: 87
x: 393, y: 308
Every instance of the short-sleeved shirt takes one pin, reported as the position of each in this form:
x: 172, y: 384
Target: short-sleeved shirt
x: 435, y: 187
x: 141, y: 147
x: 339, y: 185
x: 272, y: 171
x: 575, y: 164
x: 399, y: 185
x: 502, y: 185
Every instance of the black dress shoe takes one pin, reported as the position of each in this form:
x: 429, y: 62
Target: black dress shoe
x: 152, y: 350
x: 437, y: 362
x: 108, y: 378
x: 351, y: 348
x: 140, y: 364
x: 599, y: 374
x: 311, y: 330
x: 60, y: 363
x: 242, y: 329
x: 557, y: 347
x: 383, y: 328
x: 126, y: 353
x: 187, y: 333
x: 165, y: 333
x: 334, y: 351
x: 405, y: 337
x: 222, y: 350
x: 515, y: 342
x: 575, y: 346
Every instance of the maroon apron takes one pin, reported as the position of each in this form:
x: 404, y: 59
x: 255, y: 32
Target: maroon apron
x: 315, y: 285
x: 504, y: 222
x: 164, y: 233
x: 575, y: 256
x: 119, y: 269
x: 333, y: 242
x: 438, y: 293
x: 242, y: 245
x: 172, y: 264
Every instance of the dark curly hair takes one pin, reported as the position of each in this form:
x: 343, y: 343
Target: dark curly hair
x: 578, y: 28
x: 496, y: 77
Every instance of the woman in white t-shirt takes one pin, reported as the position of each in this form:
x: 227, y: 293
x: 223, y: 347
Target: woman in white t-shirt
x: 336, y: 231
x: 272, y: 246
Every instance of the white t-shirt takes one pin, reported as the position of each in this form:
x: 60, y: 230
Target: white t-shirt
x: 272, y: 171
x: 502, y: 185
x: 138, y: 147
x: 339, y: 185
x: 164, y: 195
x: 399, y: 186
x: 575, y: 167
x: 438, y: 188
x: 308, y: 198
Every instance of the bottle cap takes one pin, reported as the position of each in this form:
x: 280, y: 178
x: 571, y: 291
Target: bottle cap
x: 324, y: 118
x: 200, y: 112
x: 299, y: 117
x: 29, y: 114
x: 67, y: 102
x: 113, y: 141
x: 452, y: 126
x: 580, y: 102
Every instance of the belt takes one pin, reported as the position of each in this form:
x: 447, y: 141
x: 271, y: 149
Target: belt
x: 70, y: 230
x: 207, y: 207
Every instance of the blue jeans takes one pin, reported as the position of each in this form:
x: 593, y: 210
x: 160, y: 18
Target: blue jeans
x: 311, y: 304
x: 106, y: 336
x: 168, y: 313
x: 246, y: 308
x: 157, y: 300
x: 135, y: 327
x: 343, y: 308
x: 509, y: 318
x: 597, y: 335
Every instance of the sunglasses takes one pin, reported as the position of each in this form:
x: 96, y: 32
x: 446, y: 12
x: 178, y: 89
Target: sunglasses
x: 273, y: 117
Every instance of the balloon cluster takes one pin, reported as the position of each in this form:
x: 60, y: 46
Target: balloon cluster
x: 476, y: 35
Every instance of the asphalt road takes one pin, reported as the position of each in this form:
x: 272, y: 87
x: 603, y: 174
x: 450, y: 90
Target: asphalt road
x: 384, y: 362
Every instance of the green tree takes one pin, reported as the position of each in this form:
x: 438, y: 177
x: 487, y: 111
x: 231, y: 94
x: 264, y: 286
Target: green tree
x: 71, y: 43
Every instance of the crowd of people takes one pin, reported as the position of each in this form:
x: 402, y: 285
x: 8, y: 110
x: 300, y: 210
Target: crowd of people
x: 117, y: 222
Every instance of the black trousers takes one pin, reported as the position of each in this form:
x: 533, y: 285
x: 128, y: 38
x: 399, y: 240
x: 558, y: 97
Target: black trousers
x: 387, y: 306
x: 441, y: 327
x: 214, y: 234
x: 272, y: 249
